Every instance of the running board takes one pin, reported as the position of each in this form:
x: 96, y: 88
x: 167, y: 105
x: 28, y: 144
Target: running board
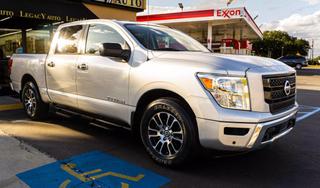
x: 95, y: 120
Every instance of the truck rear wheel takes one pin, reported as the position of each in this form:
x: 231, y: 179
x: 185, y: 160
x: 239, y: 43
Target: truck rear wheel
x: 34, y: 107
x: 168, y: 132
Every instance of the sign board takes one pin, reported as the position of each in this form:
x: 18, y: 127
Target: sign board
x: 58, y: 10
x: 138, y: 4
x: 228, y: 13
x: 41, y: 15
x: 188, y: 16
x: 54, y: 11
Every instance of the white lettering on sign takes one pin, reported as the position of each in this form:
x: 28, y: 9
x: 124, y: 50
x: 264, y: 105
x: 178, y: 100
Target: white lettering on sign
x: 6, y: 13
x: 128, y: 3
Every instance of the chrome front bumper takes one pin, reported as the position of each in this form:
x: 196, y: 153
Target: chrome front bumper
x: 260, y: 130
x: 212, y: 133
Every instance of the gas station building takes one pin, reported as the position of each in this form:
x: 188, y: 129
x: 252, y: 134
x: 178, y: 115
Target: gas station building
x: 221, y: 30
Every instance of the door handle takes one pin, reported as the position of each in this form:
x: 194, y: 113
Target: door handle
x: 51, y: 64
x: 83, y: 66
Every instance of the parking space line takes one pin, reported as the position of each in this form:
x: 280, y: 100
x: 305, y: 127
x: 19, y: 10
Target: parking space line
x: 308, y: 114
x: 308, y: 107
x: 7, y: 107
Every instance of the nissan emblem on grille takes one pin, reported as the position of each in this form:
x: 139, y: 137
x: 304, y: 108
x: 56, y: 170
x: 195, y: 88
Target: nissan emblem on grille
x: 287, y: 88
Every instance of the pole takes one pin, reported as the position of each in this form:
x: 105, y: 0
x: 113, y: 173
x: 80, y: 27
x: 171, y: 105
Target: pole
x: 312, y: 52
x: 24, y: 40
x: 209, y: 37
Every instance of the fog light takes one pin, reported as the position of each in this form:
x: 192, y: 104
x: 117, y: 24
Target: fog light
x: 236, y: 131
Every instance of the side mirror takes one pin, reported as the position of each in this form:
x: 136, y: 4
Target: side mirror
x: 114, y: 50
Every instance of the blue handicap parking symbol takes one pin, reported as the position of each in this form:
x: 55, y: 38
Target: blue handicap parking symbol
x: 94, y: 169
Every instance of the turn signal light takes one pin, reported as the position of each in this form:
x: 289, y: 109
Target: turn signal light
x: 207, y: 83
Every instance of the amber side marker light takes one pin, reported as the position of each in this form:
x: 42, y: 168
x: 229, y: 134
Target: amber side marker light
x: 207, y: 83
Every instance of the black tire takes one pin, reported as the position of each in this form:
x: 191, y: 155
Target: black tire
x: 298, y: 66
x: 30, y: 94
x: 179, y: 119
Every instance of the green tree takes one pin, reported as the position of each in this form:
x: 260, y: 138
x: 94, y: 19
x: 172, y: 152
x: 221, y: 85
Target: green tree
x: 274, y: 43
x: 316, y: 60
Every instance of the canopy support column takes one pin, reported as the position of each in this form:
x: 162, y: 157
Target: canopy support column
x: 24, y: 40
x: 209, y: 38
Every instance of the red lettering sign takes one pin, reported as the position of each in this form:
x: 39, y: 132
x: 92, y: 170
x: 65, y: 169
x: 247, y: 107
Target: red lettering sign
x: 228, y: 13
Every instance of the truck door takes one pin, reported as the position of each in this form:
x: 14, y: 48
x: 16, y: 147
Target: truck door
x: 102, y: 81
x: 61, y: 66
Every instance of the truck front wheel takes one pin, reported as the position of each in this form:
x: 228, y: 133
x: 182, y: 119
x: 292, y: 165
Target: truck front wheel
x: 34, y: 107
x: 168, y: 132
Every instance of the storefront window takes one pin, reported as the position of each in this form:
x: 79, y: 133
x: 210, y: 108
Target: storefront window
x: 9, y: 42
x: 38, y: 41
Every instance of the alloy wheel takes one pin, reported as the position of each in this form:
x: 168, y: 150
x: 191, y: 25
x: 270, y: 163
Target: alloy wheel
x: 165, y: 134
x: 30, y: 102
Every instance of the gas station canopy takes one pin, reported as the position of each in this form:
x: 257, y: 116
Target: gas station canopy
x: 215, y: 28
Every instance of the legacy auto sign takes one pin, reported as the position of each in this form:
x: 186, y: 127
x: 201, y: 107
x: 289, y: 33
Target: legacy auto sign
x: 139, y: 4
x: 39, y: 16
x: 61, y: 10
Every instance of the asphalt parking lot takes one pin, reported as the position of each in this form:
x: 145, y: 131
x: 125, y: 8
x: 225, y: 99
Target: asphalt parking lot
x: 293, y: 161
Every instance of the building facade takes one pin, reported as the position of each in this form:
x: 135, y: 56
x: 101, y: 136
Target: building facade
x: 29, y: 25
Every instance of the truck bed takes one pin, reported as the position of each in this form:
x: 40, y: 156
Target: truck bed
x: 28, y: 64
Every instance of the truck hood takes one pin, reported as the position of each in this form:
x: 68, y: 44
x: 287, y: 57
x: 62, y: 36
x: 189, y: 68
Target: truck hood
x: 229, y: 63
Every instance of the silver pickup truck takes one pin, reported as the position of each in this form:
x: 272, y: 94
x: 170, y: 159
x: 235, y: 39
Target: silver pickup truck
x: 161, y: 83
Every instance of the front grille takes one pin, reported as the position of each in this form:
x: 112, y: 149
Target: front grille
x: 274, y: 92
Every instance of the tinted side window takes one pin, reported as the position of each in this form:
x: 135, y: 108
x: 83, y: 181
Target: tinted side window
x: 68, y: 40
x: 99, y: 34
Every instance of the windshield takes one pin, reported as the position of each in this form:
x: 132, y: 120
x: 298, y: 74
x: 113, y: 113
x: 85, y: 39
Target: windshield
x: 164, y: 39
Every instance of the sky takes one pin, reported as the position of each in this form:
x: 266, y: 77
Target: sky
x: 300, y: 18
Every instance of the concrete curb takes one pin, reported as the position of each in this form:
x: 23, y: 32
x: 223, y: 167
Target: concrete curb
x: 17, y: 157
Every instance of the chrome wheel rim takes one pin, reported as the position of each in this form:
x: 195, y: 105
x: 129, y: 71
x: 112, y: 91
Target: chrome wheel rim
x: 30, y: 102
x: 165, y: 134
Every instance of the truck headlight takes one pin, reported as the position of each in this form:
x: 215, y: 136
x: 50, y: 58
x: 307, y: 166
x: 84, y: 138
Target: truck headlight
x: 229, y: 92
